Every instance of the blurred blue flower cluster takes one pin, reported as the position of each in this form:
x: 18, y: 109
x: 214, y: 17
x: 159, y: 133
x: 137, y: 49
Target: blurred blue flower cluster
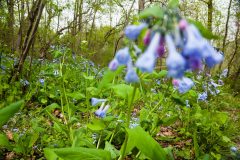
x: 187, y: 51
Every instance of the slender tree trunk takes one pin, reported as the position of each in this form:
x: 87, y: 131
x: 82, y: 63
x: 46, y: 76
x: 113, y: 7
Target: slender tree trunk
x: 20, y: 31
x: 141, y: 5
x: 210, y: 13
x: 34, y: 17
x: 235, y: 50
x: 226, y: 32
x: 10, y: 21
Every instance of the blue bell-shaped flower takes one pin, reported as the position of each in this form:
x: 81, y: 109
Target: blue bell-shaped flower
x: 202, y: 96
x: 195, y: 43
x: 175, y: 62
x: 146, y: 62
x: 185, y: 84
x: 95, y: 101
x: 123, y: 56
x: 132, y: 31
x: 131, y: 76
x: 212, y: 57
x: 113, y: 65
x: 101, y: 112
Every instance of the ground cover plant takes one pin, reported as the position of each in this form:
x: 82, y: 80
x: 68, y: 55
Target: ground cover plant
x: 71, y: 108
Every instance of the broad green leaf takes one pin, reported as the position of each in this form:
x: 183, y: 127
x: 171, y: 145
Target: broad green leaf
x: 50, y: 154
x: 162, y: 73
x: 33, y: 139
x: 3, y: 141
x: 154, y: 11
x: 7, y: 112
x: 204, y: 31
x: 76, y: 95
x: 125, y: 91
x: 81, y: 153
x: 114, y: 152
x: 96, y: 125
x: 52, y: 107
x: 145, y: 143
x: 108, y: 78
x: 226, y: 139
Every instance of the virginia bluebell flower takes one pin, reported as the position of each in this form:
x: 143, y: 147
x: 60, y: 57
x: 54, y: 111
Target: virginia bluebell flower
x: 132, y: 31
x: 41, y: 81
x: 123, y: 56
x: 175, y: 62
x: 24, y: 82
x: 131, y: 75
x: 194, y: 47
x: 184, y: 84
x: 220, y: 82
x: 212, y: 83
x: 195, y: 43
x: 224, y: 73
x: 101, y: 112
x: 113, y: 65
x: 202, y: 96
x: 212, y: 57
x: 233, y: 149
x: 95, y: 101
x: 146, y: 62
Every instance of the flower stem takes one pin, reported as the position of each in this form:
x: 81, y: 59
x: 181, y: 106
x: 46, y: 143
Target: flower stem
x: 130, y: 107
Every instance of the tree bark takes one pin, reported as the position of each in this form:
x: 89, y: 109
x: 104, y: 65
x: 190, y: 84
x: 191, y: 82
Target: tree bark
x: 226, y: 32
x: 235, y: 50
x: 34, y: 17
x: 10, y: 21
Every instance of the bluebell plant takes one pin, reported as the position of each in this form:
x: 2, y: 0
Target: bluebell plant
x: 95, y: 101
x: 101, y: 112
x: 187, y: 51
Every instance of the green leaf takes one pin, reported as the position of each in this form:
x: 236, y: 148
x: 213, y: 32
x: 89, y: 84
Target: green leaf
x: 44, y: 101
x: 108, y: 78
x: 114, y: 152
x: 162, y: 73
x: 226, y: 139
x: 125, y: 91
x: 50, y: 154
x: 173, y: 3
x: 154, y: 11
x: 76, y: 95
x: 145, y: 143
x: 96, y: 125
x: 4, y: 141
x: 7, y: 112
x: 82, y: 153
x: 51, y: 107
x: 33, y: 139
x: 204, y: 31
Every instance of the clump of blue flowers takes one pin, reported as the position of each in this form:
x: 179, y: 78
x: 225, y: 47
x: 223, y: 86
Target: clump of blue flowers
x: 187, y: 50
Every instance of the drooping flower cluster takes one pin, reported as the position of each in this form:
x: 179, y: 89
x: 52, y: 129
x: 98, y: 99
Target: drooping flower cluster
x: 186, y: 47
x: 101, y: 112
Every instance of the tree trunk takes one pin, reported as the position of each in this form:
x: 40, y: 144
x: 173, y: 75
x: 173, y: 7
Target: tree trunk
x: 210, y: 13
x: 226, y: 32
x: 141, y: 5
x: 34, y: 17
x: 10, y: 22
x: 235, y: 51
